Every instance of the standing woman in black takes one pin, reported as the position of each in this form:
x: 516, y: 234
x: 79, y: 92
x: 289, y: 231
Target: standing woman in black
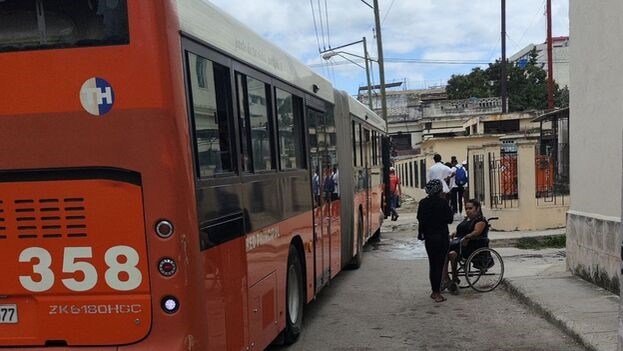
x: 434, y: 215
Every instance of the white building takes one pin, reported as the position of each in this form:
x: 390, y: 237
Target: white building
x: 595, y: 122
x: 561, y: 58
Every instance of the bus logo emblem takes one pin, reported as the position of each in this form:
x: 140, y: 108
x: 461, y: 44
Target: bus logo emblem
x: 97, y: 96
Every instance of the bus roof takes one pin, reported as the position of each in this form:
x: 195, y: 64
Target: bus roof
x: 204, y: 21
x: 362, y: 111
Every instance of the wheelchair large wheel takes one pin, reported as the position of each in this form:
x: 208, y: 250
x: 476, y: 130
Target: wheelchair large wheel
x: 467, y: 270
x: 486, y: 269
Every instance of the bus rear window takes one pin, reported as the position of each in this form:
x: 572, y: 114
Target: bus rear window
x: 48, y: 24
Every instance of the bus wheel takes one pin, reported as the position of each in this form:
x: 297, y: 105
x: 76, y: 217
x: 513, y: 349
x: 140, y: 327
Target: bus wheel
x: 377, y: 236
x: 294, y: 298
x: 355, y: 263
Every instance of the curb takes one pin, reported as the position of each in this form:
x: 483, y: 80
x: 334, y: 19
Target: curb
x: 512, y: 242
x: 520, y: 295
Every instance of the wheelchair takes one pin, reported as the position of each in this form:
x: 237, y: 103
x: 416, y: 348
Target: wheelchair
x: 483, y: 269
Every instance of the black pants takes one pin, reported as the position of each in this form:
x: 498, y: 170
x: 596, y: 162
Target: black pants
x: 437, y: 250
x: 456, y: 199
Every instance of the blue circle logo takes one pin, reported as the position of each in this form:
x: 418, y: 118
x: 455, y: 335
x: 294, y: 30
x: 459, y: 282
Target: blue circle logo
x: 97, y: 96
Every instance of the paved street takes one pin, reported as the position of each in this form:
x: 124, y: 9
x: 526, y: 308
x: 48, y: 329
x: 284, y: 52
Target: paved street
x: 385, y: 306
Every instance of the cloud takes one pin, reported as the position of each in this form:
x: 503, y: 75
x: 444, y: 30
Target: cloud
x: 423, y: 29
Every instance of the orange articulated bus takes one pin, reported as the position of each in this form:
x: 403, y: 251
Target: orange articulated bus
x: 169, y: 180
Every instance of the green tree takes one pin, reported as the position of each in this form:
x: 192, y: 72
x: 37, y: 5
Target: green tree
x: 475, y: 84
x: 526, y: 86
x: 562, y: 97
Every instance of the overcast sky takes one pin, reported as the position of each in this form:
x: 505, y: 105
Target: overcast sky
x: 429, y: 30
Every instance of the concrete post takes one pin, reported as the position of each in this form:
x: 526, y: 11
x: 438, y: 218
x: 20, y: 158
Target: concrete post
x: 526, y: 182
x: 471, y: 151
x: 527, y: 175
x: 493, y: 150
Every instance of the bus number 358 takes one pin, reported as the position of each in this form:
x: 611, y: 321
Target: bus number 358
x: 72, y: 265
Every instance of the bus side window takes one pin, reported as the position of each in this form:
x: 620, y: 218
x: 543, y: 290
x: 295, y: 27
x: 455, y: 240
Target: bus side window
x: 290, y: 130
x: 211, y: 111
x: 260, y: 126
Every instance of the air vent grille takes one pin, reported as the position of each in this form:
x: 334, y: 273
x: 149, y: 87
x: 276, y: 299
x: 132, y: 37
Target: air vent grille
x: 43, y: 218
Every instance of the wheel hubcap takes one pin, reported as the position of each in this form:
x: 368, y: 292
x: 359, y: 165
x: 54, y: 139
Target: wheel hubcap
x: 293, y: 295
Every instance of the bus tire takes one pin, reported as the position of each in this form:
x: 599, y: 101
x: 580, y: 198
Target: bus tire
x: 376, y: 237
x: 355, y: 263
x: 294, y: 298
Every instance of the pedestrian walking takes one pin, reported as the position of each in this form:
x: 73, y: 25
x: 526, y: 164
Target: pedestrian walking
x: 433, y: 216
x: 458, y: 191
x: 441, y: 172
x: 395, y: 191
x: 466, y: 186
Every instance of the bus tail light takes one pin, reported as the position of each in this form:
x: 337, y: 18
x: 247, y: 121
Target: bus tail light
x: 170, y: 304
x: 167, y: 267
x: 164, y: 229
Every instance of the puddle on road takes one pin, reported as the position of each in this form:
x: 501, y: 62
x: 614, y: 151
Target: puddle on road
x: 400, y: 249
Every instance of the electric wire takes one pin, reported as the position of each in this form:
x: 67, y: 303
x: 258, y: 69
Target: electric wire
x: 326, y: 12
x: 531, y: 22
x: 315, y: 25
x: 387, y: 13
x: 324, y: 43
x: 428, y: 62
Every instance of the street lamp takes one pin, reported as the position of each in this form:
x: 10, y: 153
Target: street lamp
x: 328, y: 54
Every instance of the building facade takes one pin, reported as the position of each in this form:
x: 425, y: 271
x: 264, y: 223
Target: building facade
x: 560, y: 49
x: 594, y: 220
x: 415, y: 116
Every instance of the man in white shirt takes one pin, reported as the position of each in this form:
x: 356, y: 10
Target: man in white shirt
x: 441, y: 172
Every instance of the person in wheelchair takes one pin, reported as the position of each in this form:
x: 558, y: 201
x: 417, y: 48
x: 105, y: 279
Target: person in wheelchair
x: 470, y: 235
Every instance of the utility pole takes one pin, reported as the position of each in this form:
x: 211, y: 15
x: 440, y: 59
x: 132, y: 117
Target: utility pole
x: 379, y: 44
x: 503, y: 63
x: 550, y: 58
x: 365, y: 54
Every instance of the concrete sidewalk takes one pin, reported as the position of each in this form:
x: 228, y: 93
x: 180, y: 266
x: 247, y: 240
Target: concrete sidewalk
x: 407, y: 219
x: 539, y: 278
x: 506, y: 239
x: 583, y: 310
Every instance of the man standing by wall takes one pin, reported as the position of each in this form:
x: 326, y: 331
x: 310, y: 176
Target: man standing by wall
x: 395, y: 190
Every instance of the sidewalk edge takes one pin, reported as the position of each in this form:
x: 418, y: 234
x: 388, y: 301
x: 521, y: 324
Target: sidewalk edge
x: 520, y: 295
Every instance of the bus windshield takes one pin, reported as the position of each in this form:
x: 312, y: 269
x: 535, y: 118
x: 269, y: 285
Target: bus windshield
x: 48, y: 24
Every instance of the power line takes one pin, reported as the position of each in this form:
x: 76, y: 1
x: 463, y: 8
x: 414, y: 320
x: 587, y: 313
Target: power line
x: 326, y: 12
x: 324, y: 43
x: 532, y: 22
x: 315, y: 25
x: 388, y: 10
x: 427, y: 62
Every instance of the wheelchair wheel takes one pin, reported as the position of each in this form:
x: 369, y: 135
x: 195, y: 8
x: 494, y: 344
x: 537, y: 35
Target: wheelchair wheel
x: 467, y: 270
x: 486, y: 269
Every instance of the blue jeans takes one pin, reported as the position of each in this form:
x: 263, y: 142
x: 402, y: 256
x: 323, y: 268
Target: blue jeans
x: 393, y: 203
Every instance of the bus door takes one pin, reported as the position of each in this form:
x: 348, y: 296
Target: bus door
x: 367, y: 154
x: 321, y: 192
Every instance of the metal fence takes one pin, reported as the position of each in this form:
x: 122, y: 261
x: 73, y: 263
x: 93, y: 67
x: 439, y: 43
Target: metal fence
x: 479, y: 178
x: 552, y: 164
x: 552, y: 175
x: 503, y: 180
